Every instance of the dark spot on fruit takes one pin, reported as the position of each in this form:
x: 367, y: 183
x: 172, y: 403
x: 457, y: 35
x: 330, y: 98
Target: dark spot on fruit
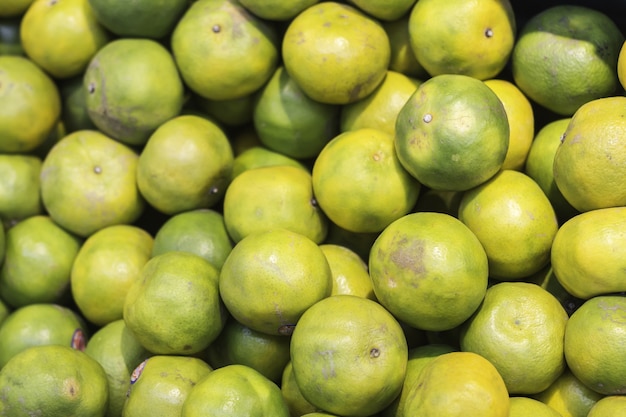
x: 187, y: 347
x: 53, y: 2
x: 374, y: 353
x: 409, y: 256
x: 286, y: 329
x: 91, y: 88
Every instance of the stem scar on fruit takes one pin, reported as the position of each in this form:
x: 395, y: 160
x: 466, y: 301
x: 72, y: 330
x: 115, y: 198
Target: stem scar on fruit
x: 427, y: 118
x: 97, y: 169
x: 216, y: 28
x: 489, y: 33
x: 91, y: 88
x: 374, y: 353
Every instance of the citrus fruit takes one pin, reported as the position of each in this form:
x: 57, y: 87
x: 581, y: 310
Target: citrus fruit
x: 621, y: 66
x: 452, y: 133
x: 441, y: 34
x: 380, y: 109
x: 565, y: 56
x: 515, y: 321
x: 237, y: 344
x: 296, y: 403
x: 591, y: 157
x: 521, y: 119
x: 270, y: 278
x: 235, y: 390
x: 10, y: 42
x: 429, y: 270
x: 350, y: 273
x: 55, y: 381
x: 514, y: 221
x: 384, y: 10
x: 402, y: 56
x: 335, y: 53
x: 133, y: 86
x: 233, y: 59
x: 107, y: 264
x: 174, y: 307
x: 30, y: 107
x: 540, y: 165
x: 232, y: 112
x: 529, y: 407
x: 277, y: 9
x: 349, y: 355
x: 20, y: 196
x: 458, y: 384
x: 37, y: 262
x: 600, y: 366
x: 39, y: 324
x: 119, y: 352
x: 568, y: 396
x: 61, y: 36
x: 138, y: 19
x: 261, y: 156
x: 74, y: 114
x: 201, y: 232
x: 417, y: 360
x: 161, y: 384
x: 587, y: 253
x: 271, y: 197
x: 185, y: 165
x: 289, y: 122
x: 359, y: 182
x: 609, y: 406
x: 88, y: 181
x: 14, y: 8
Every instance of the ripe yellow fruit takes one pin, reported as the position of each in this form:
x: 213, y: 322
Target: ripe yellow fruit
x: 514, y: 221
x: 600, y: 366
x: 458, y: 384
x: 271, y: 278
x: 89, y: 181
x: 429, y: 270
x: 335, y: 53
x: 62, y: 36
x: 185, y: 165
x: 516, y: 321
x: 473, y: 38
x: 349, y: 355
x: 591, y: 158
x: 588, y: 255
x: 223, y: 51
x: 30, y: 108
x: 53, y: 380
x: 359, y: 182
